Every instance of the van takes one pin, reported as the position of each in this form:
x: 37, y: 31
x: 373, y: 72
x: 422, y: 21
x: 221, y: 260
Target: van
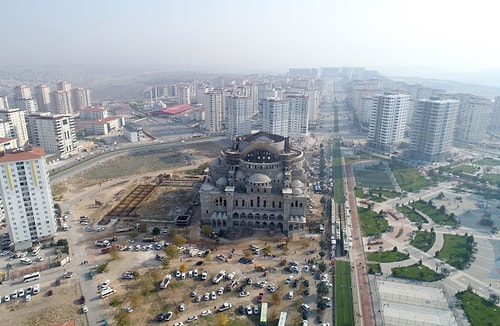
x: 107, y: 292
x: 36, y: 289
x: 26, y: 261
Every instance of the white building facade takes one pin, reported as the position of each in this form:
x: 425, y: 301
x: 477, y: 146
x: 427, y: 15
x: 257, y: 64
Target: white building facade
x: 55, y: 133
x: 388, y: 121
x: 26, y: 196
x: 433, y: 129
x: 239, y: 115
x: 275, y: 116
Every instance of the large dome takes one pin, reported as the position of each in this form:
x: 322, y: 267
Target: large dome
x: 221, y: 182
x: 259, y: 178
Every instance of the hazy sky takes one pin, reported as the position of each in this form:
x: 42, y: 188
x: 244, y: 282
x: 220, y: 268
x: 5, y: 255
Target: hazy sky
x: 253, y: 35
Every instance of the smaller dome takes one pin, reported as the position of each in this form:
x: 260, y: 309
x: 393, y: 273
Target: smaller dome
x: 297, y: 184
x: 259, y: 178
x: 215, y: 163
x: 297, y: 191
x: 222, y: 181
x: 240, y: 175
x: 206, y: 187
x: 279, y: 176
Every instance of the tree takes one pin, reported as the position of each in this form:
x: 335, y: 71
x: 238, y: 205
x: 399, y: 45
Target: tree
x: 156, y: 275
x: 322, y: 289
x: 156, y: 231
x: 114, y: 253
x: 322, y: 254
x: 267, y: 250
x: 178, y: 240
x: 322, y: 266
x: 165, y: 263
x: 206, y: 229
x: 183, y: 267
x: 321, y: 304
x: 247, y: 253
x: 276, y: 298
x: 285, y: 249
x: 172, y: 252
x: 222, y: 319
x: 143, y: 227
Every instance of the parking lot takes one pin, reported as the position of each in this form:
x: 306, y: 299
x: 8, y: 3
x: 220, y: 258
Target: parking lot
x: 226, y: 279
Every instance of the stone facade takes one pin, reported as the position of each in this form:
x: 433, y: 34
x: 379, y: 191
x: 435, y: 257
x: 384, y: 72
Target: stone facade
x: 258, y: 183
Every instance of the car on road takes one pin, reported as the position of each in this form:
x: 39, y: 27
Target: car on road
x: 244, y: 294
x: 205, y: 313
x: 191, y: 319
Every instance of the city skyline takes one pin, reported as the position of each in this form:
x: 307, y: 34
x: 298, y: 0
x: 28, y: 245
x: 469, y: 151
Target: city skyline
x: 410, y: 37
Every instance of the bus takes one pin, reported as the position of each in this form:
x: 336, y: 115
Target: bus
x: 282, y: 321
x: 263, y: 314
x: 31, y: 277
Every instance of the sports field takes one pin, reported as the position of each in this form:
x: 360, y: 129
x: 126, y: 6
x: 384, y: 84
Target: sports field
x: 344, y: 307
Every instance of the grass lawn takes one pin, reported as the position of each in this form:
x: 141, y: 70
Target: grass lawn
x: 373, y: 179
x: 371, y: 223
x: 438, y: 216
x: 488, y: 161
x: 416, y: 272
x: 344, y: 306
x: 338, y: 173
x: 424, y: 240
x: 479, y: 310
x: 386, y: 256
x: 409, y: 179
x: 376, y: 195
x: 374, y: 268
x: 412, y: 215
x: 463, y: 169
x: 457, y: 250
x: 492, y: 178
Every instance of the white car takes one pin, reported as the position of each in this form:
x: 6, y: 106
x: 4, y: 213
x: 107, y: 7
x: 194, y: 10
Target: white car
x: 27, y: 298
x: 85, y: 309
x: 220, y: 291
x: 20, y: 293
x: 213, y: 296
x: 256, y: 309
x: 206, y: 297
x: 6, y: 298
x: 182, y: 307
x: 192, y: 318
x: 244, y: 294
x: 205, y: 313
x: 289, y: 279
x: 249, y: 310
x: 128, y: 309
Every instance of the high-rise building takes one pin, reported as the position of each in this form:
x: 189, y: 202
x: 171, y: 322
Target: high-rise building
x: 55, y: 133
x: 473, y: 119
x: 388, y: 121
x: 4, y: 103
x: 61, y: 102
x: 42, y: 93
x: 24, y: 100
x: 495, y: 116
x: 212, y: 101
x: 26, y: 196
x: 64, y: 86
x: 239, y: 116
x: 275, y: 116
x: 433, y: 128
x: 298, y: 120
x: 80, y: 98
x: 16, y: 119
x: 183, y: 93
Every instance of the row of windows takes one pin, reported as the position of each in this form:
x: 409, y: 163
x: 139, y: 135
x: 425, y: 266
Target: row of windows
x: 255, y: 203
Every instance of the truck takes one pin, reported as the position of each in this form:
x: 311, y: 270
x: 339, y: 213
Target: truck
x: 149, y: 239
x: 219, y: 277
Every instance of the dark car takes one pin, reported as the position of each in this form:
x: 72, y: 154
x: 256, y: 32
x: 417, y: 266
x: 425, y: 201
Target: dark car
x: 305, y: 314
x: 306, y: 292
x: 295, y: 283
x: 199, y: 262
x: 306, y: 283
x: 82, y: 299
x: 160, y: 316
x: 319, y: 319
x: 241, y: 310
